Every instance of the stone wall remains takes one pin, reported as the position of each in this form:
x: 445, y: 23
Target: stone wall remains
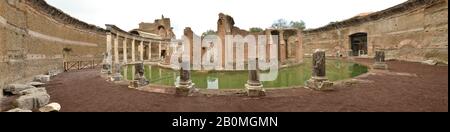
x: 36, y: 37
x: 416, y: 30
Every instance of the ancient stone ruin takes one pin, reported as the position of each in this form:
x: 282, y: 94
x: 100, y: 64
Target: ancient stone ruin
x: 319, y: 80
x: 380, y: 62
x: 254, y: 85
x: 185, y: 86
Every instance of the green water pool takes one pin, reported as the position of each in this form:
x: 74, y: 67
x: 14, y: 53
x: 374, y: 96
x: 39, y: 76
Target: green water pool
x: 287, y: 77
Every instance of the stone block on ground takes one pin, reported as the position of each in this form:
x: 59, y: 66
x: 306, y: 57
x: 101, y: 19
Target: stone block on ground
x: 16, y: 88
x: 36, y: 84
x: 32, y: 101
x: 52, y: 107
x: 18, y: 110
x: 32, y: 91
x: 54, y: 72
x: 42, y: 78
x: 430, y: 62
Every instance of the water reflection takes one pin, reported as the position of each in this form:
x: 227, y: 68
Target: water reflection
x: 292, y: 76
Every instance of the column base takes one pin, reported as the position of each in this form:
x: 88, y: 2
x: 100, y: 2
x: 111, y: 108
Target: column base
x: 255, y: 91
x: 319, y: 84
x: 184, y: 89
x: 380, y: 66
x: 117, y: 77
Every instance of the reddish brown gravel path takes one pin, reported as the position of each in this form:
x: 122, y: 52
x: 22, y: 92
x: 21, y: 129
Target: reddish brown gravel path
x: 407, y: 87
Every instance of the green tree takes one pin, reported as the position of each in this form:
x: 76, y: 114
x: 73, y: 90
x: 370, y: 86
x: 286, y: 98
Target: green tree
x: 298, y: 25
x: 280, y: 24
x: 256, y: 30
x: 209, y: 32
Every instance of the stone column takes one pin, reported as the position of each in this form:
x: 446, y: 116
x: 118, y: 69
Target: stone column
x: 380, y: 62
x: 282, y: 48
x: 133, y: 50
x: 185, y: 86
x: 141, y: 51
x: 125, y: 54
x: 107, y: 62
x: 254, y: 86
x: 319, y: 80
x: 139, y: 79
x: 150, y: 51
x: 160, y: 48
x: 117, y: 66
x: 116, y: 49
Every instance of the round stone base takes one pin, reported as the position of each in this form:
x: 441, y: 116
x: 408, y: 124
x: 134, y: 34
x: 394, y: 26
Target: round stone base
x: 117, y: 77
x: 255, y: 91
x: 184, y: 90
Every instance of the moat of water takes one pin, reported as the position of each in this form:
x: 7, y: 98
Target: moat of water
x: 287, y: 77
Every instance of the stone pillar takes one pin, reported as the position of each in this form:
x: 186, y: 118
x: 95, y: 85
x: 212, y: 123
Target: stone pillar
x: 141, y: 51
x: 282, y: 48
x: 117, y: 73
x: 133, y: 50
x: 107, y: 62
x: 116, y: 49
x: 380, y: 62
x: 160, y: 48
x: 300, y: 52
x: 139, y: 79
x: 125, y: 54
x: 254, y: 86
x: 185, y: 85
x: 319, y: 80
x: 150, y: 51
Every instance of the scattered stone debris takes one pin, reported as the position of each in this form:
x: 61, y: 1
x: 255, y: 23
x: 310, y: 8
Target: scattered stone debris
x: 53, y: 73
x: 16, y: 88
x: 32, y: 101
x: 42, y: 78
x: 32, y: 91
x: 18, y: 110
x: 52, y: 107
x: 430, y: 62
x: 36, y: 84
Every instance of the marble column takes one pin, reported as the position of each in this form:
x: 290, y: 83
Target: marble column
x: 107, y: 62
x: 141, y: 51
x: 133, y: 50
x: 117, y: 67
x: 150, y: 51
x: 185, y: 86
x: 125, y: 54
x: 319, y: 80
x: 139, y: 79
x: 254, y: 86
x: 380, y: 62
x: 116, y: 49
x: 282, y: 48
x: 159, y: 49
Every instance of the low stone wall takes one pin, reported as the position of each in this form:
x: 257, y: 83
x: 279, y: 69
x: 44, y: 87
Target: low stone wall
x: 36, y: 37
x: 416, y: 30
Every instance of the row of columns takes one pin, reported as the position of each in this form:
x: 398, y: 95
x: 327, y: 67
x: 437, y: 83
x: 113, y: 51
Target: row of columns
x: 113, y: 43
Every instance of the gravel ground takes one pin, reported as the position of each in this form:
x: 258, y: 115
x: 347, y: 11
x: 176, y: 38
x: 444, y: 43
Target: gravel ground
x: 406, y: 87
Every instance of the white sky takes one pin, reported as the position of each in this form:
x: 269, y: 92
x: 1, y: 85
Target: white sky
x: 202, y: 15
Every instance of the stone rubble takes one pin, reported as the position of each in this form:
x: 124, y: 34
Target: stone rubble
x: 52, y: 107
x: 16, y: 88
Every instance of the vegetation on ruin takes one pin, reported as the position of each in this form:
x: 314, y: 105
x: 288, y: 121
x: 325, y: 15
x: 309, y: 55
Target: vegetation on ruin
x: 283, y: 24
x: 209, y: 32
x: 256, y: 30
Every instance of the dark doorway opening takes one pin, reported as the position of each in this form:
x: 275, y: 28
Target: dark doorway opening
x: 163, y: 54
x: 358, y: 44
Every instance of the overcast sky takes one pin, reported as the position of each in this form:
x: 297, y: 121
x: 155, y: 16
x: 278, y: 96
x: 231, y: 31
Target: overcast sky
x: 202, y: 15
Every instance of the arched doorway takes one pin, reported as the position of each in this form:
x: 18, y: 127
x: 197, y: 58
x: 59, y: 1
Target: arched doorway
x: 358, y: 44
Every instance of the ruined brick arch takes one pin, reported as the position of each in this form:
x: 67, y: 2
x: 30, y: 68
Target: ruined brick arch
x: 162, y: 31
